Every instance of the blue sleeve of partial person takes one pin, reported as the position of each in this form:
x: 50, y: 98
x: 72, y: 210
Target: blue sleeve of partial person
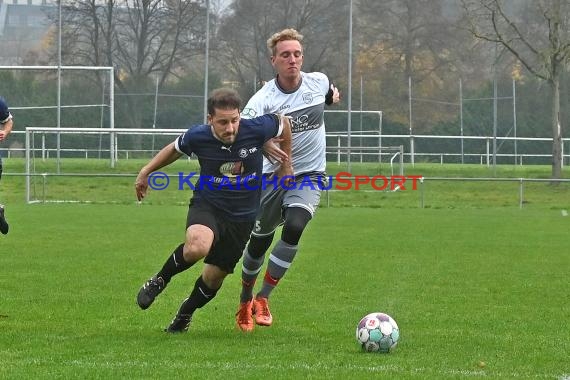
x: 265, y: 126
x: 4, y: 112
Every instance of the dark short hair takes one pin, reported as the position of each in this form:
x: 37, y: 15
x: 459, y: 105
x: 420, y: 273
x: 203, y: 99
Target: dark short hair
x: 223, y: 98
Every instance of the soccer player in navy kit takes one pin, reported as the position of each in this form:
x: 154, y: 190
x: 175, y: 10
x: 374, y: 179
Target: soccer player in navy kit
x: 6, y: 124
x: 302, y: 97
x: 225, y: 201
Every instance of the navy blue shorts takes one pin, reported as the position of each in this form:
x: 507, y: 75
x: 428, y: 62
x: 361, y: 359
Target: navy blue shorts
x: 230, y: 237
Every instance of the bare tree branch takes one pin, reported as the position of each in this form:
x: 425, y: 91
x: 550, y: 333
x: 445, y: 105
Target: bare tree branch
x: 542, y: 50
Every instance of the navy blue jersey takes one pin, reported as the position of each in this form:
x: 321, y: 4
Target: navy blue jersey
x: 4, y: 117
x: 230, y: 175
x: 4, y: 112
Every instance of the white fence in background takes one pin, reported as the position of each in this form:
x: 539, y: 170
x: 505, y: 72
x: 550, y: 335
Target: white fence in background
x: 363, y: 147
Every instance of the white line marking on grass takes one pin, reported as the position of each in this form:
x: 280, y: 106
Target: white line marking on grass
x: 564, y: 213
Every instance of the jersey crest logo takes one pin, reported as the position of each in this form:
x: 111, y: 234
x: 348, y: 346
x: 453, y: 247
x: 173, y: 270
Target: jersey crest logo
x: 308, y: 97
x: 232, y: 169
x: 244, y: 152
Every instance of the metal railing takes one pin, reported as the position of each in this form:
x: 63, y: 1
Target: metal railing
x: 521, y: 185
x: 371, y: 147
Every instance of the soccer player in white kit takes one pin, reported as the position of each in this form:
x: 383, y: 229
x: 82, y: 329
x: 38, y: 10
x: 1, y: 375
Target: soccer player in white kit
x: 302, y: 97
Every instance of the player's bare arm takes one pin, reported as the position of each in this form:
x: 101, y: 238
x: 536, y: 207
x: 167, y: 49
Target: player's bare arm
x: 272, y: 151
x: 286, y: 168
x: 335, y: 94
x: 6, y: 129
x: 272, y: 148
x: 332, y: 96
x: 165, y: 157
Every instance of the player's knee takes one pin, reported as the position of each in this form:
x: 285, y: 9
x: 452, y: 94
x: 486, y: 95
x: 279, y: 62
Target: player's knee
x: 194, y: 253
x: 296, y: 219
x: 196, y: 249
x: 199, y: 240
x: 258, y: 245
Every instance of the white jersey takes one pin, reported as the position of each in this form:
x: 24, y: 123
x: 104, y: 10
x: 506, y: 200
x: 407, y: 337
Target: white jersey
x: 305, y: 106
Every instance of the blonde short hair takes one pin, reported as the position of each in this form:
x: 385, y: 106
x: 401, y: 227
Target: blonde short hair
x: 284, y: 35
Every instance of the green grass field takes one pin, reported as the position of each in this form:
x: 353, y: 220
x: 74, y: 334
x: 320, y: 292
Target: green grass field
x: 478, y: 286
x: 95, y: 182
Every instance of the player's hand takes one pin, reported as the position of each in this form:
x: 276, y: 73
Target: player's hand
x: 336, y: 94
x: 273, y: 152
x: 141, y: 186
x: 285, y: 171
x: 3, y: 135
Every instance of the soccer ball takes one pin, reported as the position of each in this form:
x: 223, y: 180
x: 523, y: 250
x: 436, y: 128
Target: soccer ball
x: 377, y: 332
